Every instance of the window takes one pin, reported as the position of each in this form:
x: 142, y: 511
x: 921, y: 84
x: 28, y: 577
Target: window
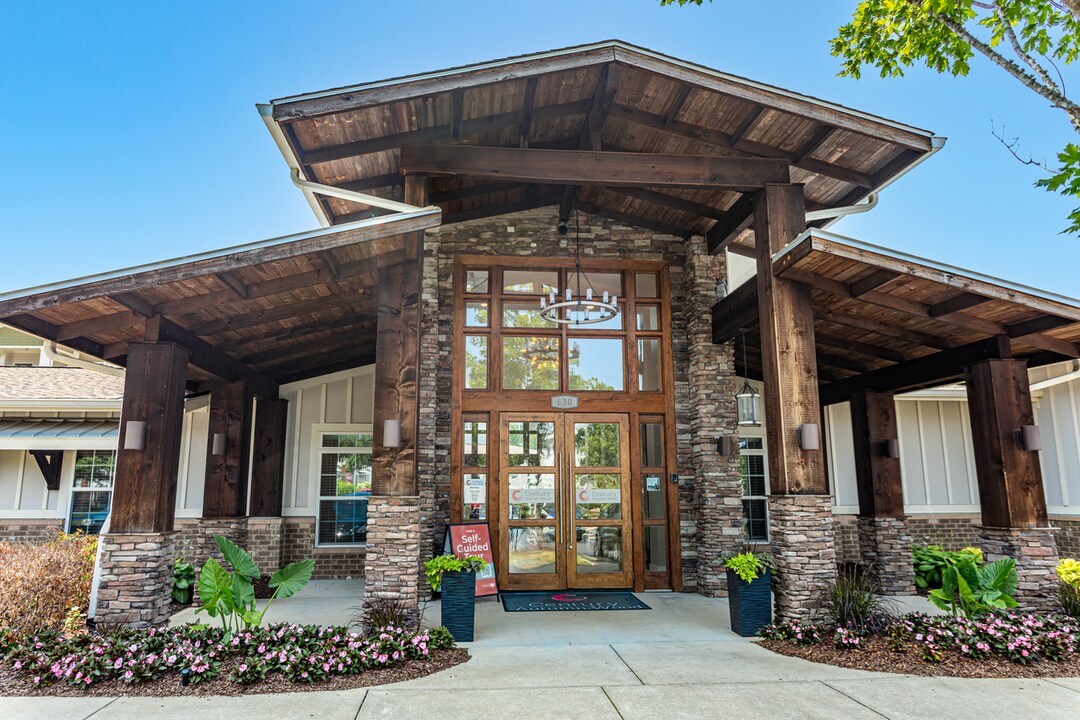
x: 755, y: 488
x: 91, y: 490
x: 475, y: 461
x: 344, y: 487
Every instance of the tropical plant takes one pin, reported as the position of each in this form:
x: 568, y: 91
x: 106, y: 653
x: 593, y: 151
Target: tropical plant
x: 230, y: 596
x: 1068, y: 570
x: 748, y: 564
x: 854, y: 602
x: 436, y: 566
x: 930, y: 562
x: 971, y: 591
x: 183, y: 581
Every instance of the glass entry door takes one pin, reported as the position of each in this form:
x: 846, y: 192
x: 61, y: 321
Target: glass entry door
x: 565, y: 494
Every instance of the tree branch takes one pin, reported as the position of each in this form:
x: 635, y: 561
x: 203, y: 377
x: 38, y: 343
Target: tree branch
x: 1038, y: 69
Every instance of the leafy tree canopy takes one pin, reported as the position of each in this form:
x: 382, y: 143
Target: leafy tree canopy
x: 1031, y: 40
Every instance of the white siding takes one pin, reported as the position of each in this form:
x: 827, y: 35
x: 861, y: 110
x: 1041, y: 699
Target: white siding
x: 1057, y: 412
x: 192, y: 475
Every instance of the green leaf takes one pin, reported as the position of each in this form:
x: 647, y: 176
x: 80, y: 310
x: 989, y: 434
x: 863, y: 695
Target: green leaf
x: 292, y: 578
x: 237, y: 557
x: 243, y: 593
x: 253, y: 618
x: 215, y: 588
x: 966, y: 569
x: 921, y: 582
x: 942, y: 600
x: 1000, y: 575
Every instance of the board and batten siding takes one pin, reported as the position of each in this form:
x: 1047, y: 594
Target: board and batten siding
x: 341, y: 400
x: 1057, y: 413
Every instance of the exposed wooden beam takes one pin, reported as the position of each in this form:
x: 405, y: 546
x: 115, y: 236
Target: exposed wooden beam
x: 345, y: 325
x: 302, y: 310
x: 207, y: 357
x: 134, y: 303
x: 41, y: 328
x: 670, y: 201
x: 292, y: 372
x: 819, y: 138
x: 529, y: 202
x: 325, y: 260
x: 289, y: 352
x: 737, y: 311
x: 956, y: 303
x: 863, y: 348
x: 749, y: 123
x: 677, y: 103
x: 101, y: 324
x: 234, y: 283
x: 735, y: 221
x: 841, y: 362
x: 633, y: 220
x: 873, y: 281
x: 470, y: 191
x: 569, y: 167
x: 607, y: 84
x: 914, y: 337
x: 370, y: 183
x: 1036, y: 325
x: 527, y: 105
x: 926, y: 371
x: 51, y: 465
x: 457, y: 102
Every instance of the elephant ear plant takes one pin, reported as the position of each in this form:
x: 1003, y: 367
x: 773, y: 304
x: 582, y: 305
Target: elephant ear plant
x: 230, y: 596
x: 969, y: 590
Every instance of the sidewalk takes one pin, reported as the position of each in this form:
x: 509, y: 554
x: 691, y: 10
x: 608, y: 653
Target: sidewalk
x: 675, y: 661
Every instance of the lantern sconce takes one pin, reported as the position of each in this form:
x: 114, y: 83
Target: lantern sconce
x: 135, y: 435
x: 809, y: 436
x: 747, y: 401
x: 725, y: 446
x: 1029, y: 438
x: 220, y: 444
x: 391, y: 433
x: 891, y: 448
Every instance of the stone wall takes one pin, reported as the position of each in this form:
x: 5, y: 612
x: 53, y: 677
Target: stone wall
x: 1036, y: 557
x: 802, y: 543
x: 885, y: 552
x: 391, y: 572
x: 136, y: 579
x: 33, y: 531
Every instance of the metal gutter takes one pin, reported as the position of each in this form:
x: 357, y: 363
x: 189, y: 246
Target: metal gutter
x: 49, y: 348
x: 351, y: 195
x: 211, y: 254
x: 1058, y: 380
x: 266, y: 112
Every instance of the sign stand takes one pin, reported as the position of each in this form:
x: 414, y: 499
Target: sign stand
x: 465, y: 539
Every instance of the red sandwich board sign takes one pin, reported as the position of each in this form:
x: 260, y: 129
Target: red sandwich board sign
x: 467, y: 539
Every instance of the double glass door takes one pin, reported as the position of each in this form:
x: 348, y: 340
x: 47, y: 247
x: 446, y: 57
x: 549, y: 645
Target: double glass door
x: 565, y: 494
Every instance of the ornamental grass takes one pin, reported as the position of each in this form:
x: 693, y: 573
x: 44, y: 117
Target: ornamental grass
x: 46, y: 585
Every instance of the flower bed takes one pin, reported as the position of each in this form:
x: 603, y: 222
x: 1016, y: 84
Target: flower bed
x: 164, y: 661
x: 996, y: 645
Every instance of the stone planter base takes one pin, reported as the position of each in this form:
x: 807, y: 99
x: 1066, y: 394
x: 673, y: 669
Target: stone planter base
x: 136, y: 579
x: 1036, y: 555
x: 392, y: 563
x: 749, y: 604
x: 802, y: 543
x: 885, y: 552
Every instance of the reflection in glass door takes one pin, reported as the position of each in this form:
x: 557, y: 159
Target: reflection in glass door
x: 565, y: 494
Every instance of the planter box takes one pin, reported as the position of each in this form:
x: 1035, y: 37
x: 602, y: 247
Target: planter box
x: 459, y: 604
x: 750, y: 603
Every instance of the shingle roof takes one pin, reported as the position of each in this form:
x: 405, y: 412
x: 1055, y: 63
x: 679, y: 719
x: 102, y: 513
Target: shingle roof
x: 58, y: 383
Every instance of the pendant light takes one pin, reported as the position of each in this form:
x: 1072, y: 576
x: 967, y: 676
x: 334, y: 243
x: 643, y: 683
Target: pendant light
x: 582, y: 310
x: 747, y: 399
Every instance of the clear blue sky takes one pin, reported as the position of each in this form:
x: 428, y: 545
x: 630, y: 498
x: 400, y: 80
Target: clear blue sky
x: 131, y: 135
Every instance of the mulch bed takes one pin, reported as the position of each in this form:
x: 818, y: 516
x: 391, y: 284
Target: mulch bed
x: 13, y: 683
x: 873, y: 655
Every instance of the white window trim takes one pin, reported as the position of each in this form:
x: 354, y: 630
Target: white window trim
x: 764, y: 453
x: 317, y: 431
x: 72, y: 489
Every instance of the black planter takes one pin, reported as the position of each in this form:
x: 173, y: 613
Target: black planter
x: 750, y: 603
x: 458, y: 604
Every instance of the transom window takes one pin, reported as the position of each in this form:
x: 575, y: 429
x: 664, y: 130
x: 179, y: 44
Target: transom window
x: 91, y: 490
x: 344, y: 487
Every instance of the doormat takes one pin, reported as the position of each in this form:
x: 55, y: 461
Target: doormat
x: 565, y: 600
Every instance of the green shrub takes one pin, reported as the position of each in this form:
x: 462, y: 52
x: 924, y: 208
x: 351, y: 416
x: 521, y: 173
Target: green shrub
x: 971, y: 591
x: 439, y: 638
x: 46, y: 586
x: 183, y: 581
x: 436, y: 566
x: 747, y: 563
x: 853, y: 602
x: 1069, y: 599
x: 930, y: 562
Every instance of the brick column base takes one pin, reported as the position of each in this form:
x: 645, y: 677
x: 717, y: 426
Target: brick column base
x: 885, y: 553
x: 1036, y: 554
x: 235, y: 529
x: 392, y: 564
x: 802, y: 543
x: 264, y: 542
x: 136, y: 579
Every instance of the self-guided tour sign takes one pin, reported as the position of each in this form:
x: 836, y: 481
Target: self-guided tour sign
x: 473, y: 539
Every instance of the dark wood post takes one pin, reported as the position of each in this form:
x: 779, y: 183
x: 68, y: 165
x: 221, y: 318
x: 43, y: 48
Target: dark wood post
x: 800, y: 508
x: 144, y: 488
x: 873, y: 424
x: 1010, y: 478
x: 397, y: 359
x: 884, y: 540
x: 787, y: 347
x: 1014, y: 517
x: 268, y: 457
x: 225, y: 489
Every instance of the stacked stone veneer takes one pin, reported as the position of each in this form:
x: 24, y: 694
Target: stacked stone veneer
x: 802, y: 543
x: 533, y: 234
x: 136, y: 579
x: 1036, y: 555
x: 392, y: 568
x: 30, y: 531
x: 433, y: 447
x: 711, y: 381
x: 885, y: 552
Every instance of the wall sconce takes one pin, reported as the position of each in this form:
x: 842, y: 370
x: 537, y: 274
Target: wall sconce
x: 391, y: 433
x: 220, y: 444
x: 726, y: 445
x: 809, y: 436
x: 891, y: 448
x: 1029, y: 437
x: 135, y: 435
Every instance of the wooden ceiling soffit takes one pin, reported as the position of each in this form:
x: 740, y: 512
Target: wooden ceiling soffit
x: 315, y: 352
x: 531, y: 201
x: 279, y: 249
x: 570, y: 167
x: 327, y: 364
x: 635, y: 220
x: 344, y: 324
x: 42, y: 329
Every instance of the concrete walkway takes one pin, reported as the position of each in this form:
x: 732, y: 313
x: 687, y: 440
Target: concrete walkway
x: 678, y: 660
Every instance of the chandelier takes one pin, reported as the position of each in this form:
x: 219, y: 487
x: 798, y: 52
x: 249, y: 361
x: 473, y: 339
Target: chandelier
x: 582, y: 310
x: 543, y: 353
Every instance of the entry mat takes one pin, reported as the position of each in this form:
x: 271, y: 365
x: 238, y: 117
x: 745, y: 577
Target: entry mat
x: 566, y: 600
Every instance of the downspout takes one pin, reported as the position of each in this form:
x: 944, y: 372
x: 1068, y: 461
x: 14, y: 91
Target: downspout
x: 869, y: 204
x: 266, y: 112
x: 49, y: 348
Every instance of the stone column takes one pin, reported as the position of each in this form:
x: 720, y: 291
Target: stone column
x: 391, y: 566
x: 801, y: 528
x: 717, y: 488
x: 136, y: 577
x: 885, y: 553
x: 431, y: 448
x: 1036, y: 554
